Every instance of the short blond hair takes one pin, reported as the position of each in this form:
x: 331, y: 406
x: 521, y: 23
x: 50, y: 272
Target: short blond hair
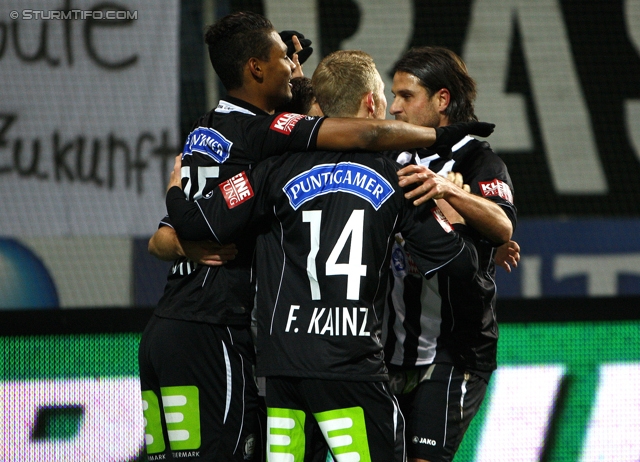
x: 342, y: 79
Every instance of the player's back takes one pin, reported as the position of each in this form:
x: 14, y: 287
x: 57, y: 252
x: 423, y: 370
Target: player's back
x: 323, y: 265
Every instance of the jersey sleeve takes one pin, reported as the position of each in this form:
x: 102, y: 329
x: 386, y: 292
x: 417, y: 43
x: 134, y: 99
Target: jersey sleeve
x: 491, y: 180
x: 165, y: 221
x: 282, y: 132
x: 226, y: 211
x: 435, y: 245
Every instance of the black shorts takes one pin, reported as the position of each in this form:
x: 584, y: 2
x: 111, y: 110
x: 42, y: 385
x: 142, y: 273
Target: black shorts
x: 200, y: 399
x: 308, y: 416
x: 439, y: 409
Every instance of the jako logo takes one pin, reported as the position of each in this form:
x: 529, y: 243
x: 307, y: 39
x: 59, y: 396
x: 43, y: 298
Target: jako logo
x: 418, y: 440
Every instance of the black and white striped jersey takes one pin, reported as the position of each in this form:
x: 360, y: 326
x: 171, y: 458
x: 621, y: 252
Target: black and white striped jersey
x: 224, y: 142
x: 328, y: 221
x: 442, y: 319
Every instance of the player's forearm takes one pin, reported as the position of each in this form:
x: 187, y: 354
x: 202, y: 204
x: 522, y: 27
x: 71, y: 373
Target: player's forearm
x: 381, y: 135
x: 186, y: 217
x: 484, y: 216
x: 374, y: 135
x: 165, y: 245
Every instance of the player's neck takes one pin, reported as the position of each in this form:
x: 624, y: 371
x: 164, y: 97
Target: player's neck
x: 258, y: 100
x: 444, y: 121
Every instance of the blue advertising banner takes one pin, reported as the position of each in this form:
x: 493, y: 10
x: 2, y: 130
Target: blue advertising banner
x: 582, y: 258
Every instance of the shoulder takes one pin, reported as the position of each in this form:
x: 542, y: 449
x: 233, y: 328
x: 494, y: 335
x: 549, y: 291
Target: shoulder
x: 227, y: 124
x: 478, y: 155
x: 476, y: 149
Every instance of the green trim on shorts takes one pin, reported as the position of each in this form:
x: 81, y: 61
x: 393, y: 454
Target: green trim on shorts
x: 345, y: 431
x: 285, y: 432
x: 182, y: 414
x: 153, y: 437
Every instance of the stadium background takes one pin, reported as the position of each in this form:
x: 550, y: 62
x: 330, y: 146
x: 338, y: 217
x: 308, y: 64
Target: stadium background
x: 92, y: 112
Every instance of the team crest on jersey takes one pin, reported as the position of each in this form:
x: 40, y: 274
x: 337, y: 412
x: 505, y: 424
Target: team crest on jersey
x: 442, y: 219
x: 496, y: 188
x: 285, y: 122
x: 249, y: 447
x: 209, y: 142
x: 398, y: 260
x: 401, y: 262
x: 346, y: 177
x: 236, y: 190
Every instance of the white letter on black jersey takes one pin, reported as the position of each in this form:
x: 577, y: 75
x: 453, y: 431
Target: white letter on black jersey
x: 315, y: 319
x: 291, y: 317
x: 328, y: 325
x: 363, y: 332
x: 349, y: 321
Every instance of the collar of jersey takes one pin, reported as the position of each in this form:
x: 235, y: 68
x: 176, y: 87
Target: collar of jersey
x: 230, y: 104
x: 461, y: 143
x: 446, y: 167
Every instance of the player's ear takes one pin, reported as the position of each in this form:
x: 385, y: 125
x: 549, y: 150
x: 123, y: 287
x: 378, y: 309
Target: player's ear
x: 444, y: 98
x: 254, y: 66
x: 370, y: 104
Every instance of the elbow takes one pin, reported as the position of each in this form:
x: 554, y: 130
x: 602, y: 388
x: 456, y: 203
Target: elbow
x: 505, y: 232
x: 151, y: 248
x: 371, y: 138
x: 154, y: 247
x: 155, y: 250
x: 501, y: 231
x: 501, y: 238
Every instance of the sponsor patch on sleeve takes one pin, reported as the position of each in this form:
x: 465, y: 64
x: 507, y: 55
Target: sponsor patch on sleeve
x: 285, y: 122
x: 208, y: 142
x: 496, y: 188
x: 236, y: 190
x: 437, y: 213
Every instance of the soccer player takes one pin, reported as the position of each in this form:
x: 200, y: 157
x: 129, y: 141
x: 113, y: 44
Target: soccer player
x: 442, y: 332
x: 196, y: 354
x: 328, y: 222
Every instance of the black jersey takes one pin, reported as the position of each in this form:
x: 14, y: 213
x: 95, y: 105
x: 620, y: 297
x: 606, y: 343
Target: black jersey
x: 323, y: 262
x: 227, y: 140
x: 442, y: 319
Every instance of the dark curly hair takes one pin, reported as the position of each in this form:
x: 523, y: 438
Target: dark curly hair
x: 233, y: 40
x: 303, y: 98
